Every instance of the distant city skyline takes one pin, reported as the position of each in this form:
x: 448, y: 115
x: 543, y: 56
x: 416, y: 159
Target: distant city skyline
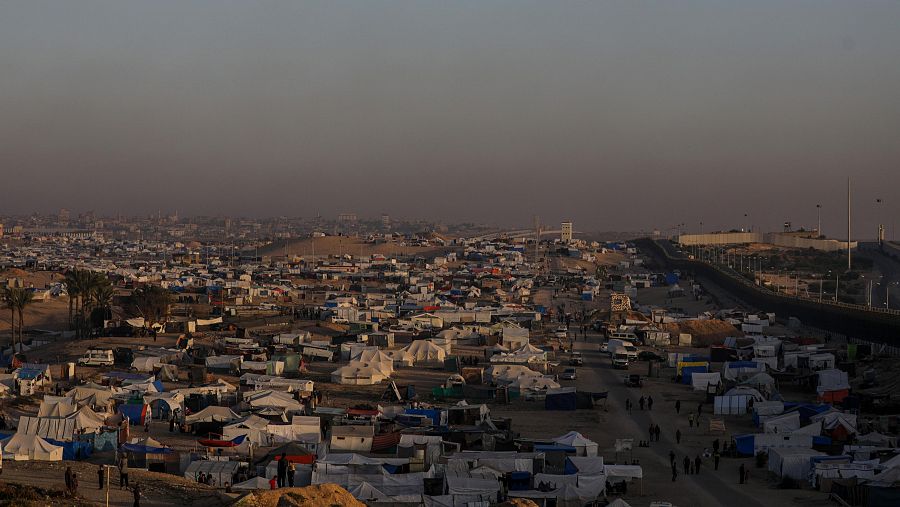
x: 617, y: 115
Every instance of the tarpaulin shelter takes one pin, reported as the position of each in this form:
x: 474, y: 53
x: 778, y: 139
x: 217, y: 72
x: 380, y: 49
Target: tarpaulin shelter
x: 561, y: 399
x: 136, y: 413
x: 252, y: 484
x: 582, y: 445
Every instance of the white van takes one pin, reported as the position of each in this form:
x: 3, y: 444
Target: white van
x: 624, y: 335
x: 97, y: 357
x: 616, y: 345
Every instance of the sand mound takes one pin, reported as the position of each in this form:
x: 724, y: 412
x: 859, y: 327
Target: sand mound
x: 704, y: 332
x: 320, y: 495
x: 518, y: 502
x: 14, y: 273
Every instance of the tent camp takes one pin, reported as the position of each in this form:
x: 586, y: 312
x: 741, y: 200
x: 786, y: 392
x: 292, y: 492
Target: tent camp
x: 252, y: 484
x: 22, y: 447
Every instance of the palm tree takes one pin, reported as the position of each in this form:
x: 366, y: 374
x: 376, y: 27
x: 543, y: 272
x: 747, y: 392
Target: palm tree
x: 9, y: 302
x: 73, y: 289
x: 23, y: 299
x: 101, y: 297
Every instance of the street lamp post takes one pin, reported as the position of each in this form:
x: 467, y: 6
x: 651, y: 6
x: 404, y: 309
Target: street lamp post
x: 819, y: 220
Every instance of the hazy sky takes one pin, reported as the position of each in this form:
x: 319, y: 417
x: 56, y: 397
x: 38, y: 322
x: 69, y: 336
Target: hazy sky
x: 619, y: 115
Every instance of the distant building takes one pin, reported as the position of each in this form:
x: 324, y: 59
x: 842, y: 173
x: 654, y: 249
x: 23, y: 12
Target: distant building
x: 64, y: 216
x: 566, y: 232
x: 1, y: 230
x: 385, y: 221
x: 347, y: 217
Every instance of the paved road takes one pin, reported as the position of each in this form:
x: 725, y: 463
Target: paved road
x: 889, y: 269
x: 708, y: 488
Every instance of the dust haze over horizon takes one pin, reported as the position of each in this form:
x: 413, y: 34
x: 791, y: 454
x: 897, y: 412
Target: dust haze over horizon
x: 619, y: 115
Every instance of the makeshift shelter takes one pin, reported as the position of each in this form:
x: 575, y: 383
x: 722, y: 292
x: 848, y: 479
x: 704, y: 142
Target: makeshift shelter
x: 357, y: 373
x: 424, y: 351
x: 252, y: 484
x: 137, y: 413
x: 583, y: 446
x: 563, y: 398
x: 792, y: 462
x: 219, y: 472
x: 22, y: 447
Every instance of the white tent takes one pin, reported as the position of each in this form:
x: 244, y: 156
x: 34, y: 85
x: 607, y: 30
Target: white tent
x: 423, y: 351
x: 533, y: 383
x: 278, y: 399
x: 21, y: 447
x: 357, y: 373
x: 760, y: 379
x: 784, y: 424
x: 701, y: 381
x: 365, y: 491
x: 792, y: 462
x: 507, y: 373
x: 252, y: 484
x: 212, y: 414
x: 582, y: 445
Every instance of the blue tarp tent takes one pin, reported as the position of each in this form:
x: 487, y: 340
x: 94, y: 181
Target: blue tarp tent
x: 434, y: 415
x: 561, y: 399
x: 73, y: 450
x: 745, y: 444
x: 143, y: 449
x: 135, y: 413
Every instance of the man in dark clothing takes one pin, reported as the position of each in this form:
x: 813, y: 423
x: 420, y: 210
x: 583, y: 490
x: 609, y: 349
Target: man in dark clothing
x: 677, y: 406
x: 137, y: 494
x: 716, y: 445
x: 74, y: 484
x: 100, y: 473
x: 68, y: 479
x: 674, y: 471
x: 282, y: 470
x: 672, y: 458
x: 687, y: 465
x: 641, y: 402
x: 649, y: 402
x: 652, y: 430
x: 699, y: 409
x: 741, y: 472
x: 697, y: 462
x: 677, y: 436
x: 716, y: 459
x: 123, y: 472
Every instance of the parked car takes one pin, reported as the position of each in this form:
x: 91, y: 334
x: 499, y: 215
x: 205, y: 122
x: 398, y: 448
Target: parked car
x: 568, y: 374
x: 576, y: 359
x: 633, y: 380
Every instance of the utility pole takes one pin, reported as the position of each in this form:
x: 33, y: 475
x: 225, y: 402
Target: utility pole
x: 849, y: 264
x: 819, y: 219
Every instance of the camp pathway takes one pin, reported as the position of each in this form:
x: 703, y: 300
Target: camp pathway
x: 709, y: 488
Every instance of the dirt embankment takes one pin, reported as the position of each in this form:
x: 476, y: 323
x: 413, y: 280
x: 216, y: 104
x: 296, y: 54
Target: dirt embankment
x: 320, y: 495
x: 704, y: 332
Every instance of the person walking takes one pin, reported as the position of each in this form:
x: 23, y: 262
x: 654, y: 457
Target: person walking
x: 716, y: 445
x: 649, y: 402
x: 136, y: 493
x: 697, y: 462
x: 686, y: 462
x: 672, y: 458
x: 677, y: 406
x: 282, y: 469
x: 641, y: 402
x: 74, y: 490
x: 699, y: 409
x: 292, y: 469
x: 100, y: 474
x: 690, y: 420
x: 674, y: 471
x: 658, y: 432
x: 123, y: 472
x: 652, y: 431
x: 716, y: 457
x: 628, y: 405
x: 68, y: 476
x: 741, y: 473
x: 677, y: 436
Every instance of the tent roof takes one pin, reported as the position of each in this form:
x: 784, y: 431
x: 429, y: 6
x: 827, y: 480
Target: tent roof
x: 212, y: 413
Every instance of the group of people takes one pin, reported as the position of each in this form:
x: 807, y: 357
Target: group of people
x: 648, y: 401
x: 71, y: 478
x: 286, y: 471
